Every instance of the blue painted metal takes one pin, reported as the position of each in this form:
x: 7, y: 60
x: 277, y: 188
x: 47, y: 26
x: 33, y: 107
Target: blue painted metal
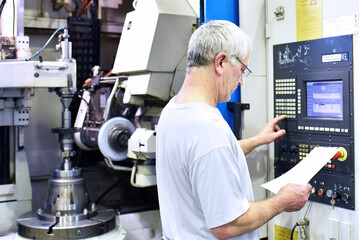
x: 222, y: 10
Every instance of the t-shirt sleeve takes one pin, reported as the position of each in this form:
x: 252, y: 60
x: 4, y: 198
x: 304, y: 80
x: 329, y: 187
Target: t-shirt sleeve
x: 217, y: 187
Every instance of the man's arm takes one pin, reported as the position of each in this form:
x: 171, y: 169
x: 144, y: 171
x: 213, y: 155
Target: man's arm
x: 269, y: 132
x: 291, y: 197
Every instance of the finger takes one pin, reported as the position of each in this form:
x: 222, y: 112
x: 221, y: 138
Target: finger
x: 279, y: 133
x: 278, y: 119
x: 276, y: 128
x: 308, y: 187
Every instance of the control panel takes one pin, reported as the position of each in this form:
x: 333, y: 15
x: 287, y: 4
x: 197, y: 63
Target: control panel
x: 313, y: 87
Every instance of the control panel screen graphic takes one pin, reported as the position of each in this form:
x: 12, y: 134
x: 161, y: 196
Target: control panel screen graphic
x: 325, y: 99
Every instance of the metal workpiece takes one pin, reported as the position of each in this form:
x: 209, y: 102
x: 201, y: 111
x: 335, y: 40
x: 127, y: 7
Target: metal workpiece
x: 67, y: 192
x: 66, y: 132
x: 67, y: 212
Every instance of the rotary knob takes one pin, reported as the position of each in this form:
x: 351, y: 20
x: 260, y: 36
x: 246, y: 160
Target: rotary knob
x: 283, y: 148
x: 294, y: 148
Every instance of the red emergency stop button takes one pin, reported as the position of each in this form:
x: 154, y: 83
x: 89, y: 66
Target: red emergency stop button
x: 320, y: 192
x: 341, y: 154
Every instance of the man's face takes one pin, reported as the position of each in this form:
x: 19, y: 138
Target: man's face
x: 235, y: 76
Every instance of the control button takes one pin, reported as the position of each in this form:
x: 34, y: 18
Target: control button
x: 313, y: 190
x: 320, y: 192
x: 341, y: 155
x: 329, y: 193
x: 293, y: 148
x: 345, y: 197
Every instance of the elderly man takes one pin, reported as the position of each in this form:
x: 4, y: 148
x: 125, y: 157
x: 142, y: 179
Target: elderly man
x: 204, y: 186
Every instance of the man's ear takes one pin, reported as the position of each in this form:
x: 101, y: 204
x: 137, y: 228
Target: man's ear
x: 219, y: 60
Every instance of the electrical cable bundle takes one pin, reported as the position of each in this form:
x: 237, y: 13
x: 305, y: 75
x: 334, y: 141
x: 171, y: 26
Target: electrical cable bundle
x: 85, y: 5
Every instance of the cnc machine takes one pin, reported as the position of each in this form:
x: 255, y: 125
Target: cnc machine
x: 117, y: 115
x: 314, y: 85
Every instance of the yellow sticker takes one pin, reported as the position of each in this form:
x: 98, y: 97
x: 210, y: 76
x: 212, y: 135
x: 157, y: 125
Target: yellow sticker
x: 282, y: 233
x: 309, y: 19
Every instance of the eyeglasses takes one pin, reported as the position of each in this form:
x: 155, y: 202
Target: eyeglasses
x: 247, y: 71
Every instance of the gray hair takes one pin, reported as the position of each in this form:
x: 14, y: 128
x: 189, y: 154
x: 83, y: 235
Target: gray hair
x: 214, y: 37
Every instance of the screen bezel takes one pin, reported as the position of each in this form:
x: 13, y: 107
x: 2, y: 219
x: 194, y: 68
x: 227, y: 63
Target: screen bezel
x: 327, y: 82
x: 337, y: 75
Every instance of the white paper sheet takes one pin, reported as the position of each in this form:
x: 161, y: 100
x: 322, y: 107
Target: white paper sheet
x: 304, y: 170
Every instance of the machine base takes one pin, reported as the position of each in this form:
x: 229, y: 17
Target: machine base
x: 30, y: 226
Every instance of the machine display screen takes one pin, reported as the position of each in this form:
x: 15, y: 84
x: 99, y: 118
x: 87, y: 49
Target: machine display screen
x: 325, y: 99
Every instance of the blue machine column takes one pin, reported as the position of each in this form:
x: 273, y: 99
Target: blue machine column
x: 224, y: 10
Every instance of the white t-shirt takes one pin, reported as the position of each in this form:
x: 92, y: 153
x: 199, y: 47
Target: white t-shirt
x: 202, y: 174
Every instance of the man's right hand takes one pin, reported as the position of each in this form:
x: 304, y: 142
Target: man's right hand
x: 294, y: 196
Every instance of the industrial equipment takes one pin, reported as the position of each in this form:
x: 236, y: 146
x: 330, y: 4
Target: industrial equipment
x: 117, y: 115
x: 149, y: 69
x: 67, y: 212
x: 314, y: 85
x: 16, y: 88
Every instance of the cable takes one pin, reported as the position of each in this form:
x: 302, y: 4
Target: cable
x: 79, y: 96
x: 291, y: 235
x: 47, y: 43
x: 109, y: 100
x: 110, y: 164
x: 84, y: 8
x: 304, y: 221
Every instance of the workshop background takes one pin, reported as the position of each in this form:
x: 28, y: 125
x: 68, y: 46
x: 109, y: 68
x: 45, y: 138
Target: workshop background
x: 124, y: 180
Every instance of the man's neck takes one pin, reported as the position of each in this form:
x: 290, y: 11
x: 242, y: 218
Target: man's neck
x: 198, y: 86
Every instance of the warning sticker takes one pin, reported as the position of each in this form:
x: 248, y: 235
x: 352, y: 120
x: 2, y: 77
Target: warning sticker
x: 282, y: 233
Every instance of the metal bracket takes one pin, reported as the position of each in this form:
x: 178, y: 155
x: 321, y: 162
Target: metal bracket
x: 237, y: 108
